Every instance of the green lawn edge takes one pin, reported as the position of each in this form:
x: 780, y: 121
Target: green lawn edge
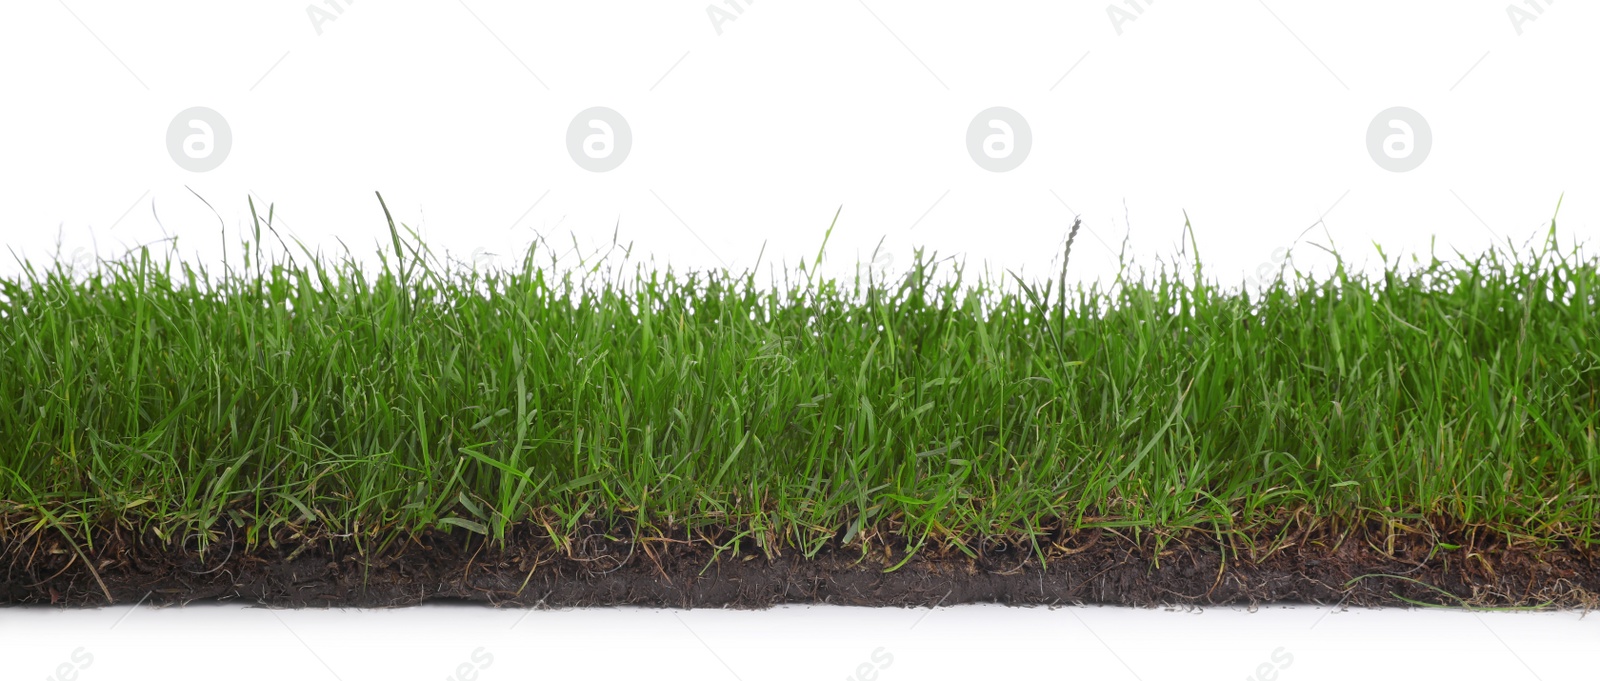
x: 794, y: 408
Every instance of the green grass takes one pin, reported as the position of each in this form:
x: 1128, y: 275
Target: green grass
x: 789, y: 407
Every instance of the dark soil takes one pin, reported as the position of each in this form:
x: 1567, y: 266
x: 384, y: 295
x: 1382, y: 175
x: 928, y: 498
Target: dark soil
x: 1368, y: 565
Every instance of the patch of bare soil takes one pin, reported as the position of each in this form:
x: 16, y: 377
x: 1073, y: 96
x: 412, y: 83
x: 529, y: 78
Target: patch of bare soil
x: 1366, y: 565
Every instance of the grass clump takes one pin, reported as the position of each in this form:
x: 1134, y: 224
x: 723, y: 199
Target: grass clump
x: 797, y: 410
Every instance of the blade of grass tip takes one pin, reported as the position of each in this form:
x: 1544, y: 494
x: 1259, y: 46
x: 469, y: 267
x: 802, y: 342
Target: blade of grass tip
x: 1066, y: 258
x: 399, y: 251
x: 824, y: 247
x: 254, y: 219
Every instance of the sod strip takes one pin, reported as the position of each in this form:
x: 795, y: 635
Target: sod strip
x: 1427, y: 434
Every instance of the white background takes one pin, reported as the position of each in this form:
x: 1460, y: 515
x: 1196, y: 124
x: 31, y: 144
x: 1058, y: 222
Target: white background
x: 1249, y: 117
x: 429, y: 643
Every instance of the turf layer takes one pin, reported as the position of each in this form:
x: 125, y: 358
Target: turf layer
x: 778, y: 412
